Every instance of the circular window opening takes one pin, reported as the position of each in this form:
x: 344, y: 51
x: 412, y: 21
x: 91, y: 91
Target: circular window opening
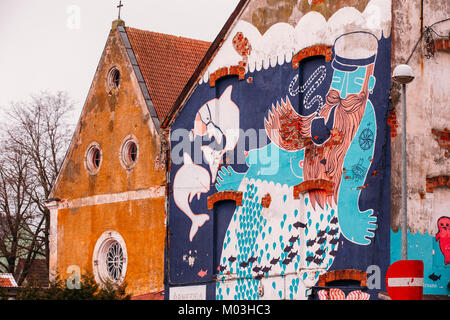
x: 93, y: 158
x: 110, y: 258
x: 114, y: 78
x: 114, y: 261
x: 132, y: 151
x: 129, y: 152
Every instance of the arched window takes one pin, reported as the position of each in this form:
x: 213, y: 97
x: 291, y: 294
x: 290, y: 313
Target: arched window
x: 113, y: 79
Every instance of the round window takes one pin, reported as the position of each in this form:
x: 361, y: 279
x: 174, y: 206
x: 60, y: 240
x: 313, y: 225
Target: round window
x: 113, y: 79
x: 129, y: 152
x: 93, y: 158
x: 114, y: 261
x: 110, y: 258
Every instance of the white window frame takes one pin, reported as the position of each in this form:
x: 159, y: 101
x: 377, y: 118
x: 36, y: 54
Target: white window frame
x: 99, y: 266
x: 110, y: 83
x: 88, y: 157
x: 125, y: 162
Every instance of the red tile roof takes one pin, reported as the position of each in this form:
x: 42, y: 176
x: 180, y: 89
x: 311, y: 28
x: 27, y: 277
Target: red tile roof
x: 7, y: 281
x: 150, y: 296
x: 167, y: 63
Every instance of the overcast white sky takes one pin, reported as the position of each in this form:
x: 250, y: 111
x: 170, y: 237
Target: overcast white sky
x: 56, y: 45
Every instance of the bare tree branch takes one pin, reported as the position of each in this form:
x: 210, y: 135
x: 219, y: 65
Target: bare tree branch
x: 35, y: 138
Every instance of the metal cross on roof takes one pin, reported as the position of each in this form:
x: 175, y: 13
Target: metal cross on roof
x: 120, y: 7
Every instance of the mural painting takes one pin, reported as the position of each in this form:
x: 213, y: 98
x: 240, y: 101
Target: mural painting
x: 303, y: 141
x: 429, y: 241
x: 432, y: 247
x: 443, y: 236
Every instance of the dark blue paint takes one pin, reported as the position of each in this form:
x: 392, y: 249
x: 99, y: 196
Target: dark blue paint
x: 254, y: 100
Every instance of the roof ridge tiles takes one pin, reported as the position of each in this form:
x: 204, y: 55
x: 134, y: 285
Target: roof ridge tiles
x: 159, y: 56
x: 167, y: 35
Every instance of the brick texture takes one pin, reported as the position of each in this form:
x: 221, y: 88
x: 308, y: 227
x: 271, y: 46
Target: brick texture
x: 392, y: 122
x: 225, y: 71
x: 308, y: 185
x: 224, y: 195
x: 442, y: 137
x: 442, y: 45
x: 313, y: 152
x: 344, y: 274
x: 37, y: 273
x: 242, y: 45
x: 167, y: 62
x: 318, y: 50
x: 266, y: 200
x: 438, y: 181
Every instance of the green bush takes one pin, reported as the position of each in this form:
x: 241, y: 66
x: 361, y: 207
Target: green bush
x: 89, y: 290
x: 3, y: 294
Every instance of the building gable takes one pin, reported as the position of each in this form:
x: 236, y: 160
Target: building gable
x: 109, y: 116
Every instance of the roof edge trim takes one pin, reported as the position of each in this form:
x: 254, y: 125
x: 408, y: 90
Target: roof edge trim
x: 137, y: 70
x: 187, y: 90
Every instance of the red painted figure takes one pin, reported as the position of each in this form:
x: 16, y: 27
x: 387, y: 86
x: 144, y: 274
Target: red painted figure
x: 443, y: 236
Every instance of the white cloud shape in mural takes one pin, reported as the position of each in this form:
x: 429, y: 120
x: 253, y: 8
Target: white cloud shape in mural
x: 281, y: 41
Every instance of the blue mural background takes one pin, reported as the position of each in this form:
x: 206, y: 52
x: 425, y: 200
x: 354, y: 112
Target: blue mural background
x: 254, y: 98
x: 422, y: 247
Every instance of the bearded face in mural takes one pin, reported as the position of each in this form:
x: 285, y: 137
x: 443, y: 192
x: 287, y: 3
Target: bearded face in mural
x: 292, y: 235
x: 344, y: 116
x: 327, y: 134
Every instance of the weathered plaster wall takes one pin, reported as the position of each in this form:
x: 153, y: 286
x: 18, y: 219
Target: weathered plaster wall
x: 108, y: 119
x: 131, y: 202
x: 427, y: 108
x: 265, y: 13
x: 271, y: 233
x: 281, y: 41
x: 427, y: 139
x: 138, y: 222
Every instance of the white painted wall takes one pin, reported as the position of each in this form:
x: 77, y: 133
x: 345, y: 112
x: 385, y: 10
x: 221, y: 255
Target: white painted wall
x: 427, y: 108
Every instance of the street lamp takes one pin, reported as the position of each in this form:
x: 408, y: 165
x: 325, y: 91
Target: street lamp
x: 403, y: 74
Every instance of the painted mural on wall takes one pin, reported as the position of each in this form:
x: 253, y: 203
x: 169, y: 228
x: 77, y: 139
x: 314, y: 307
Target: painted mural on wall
x: 429, y: 241
x: 443, y: 236
x: 313, y: 117
x: 433, y: 248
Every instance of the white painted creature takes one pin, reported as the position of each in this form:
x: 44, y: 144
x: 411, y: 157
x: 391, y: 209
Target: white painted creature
x: 191, y: 180
x: 213, y: 158
x: 217, y: 118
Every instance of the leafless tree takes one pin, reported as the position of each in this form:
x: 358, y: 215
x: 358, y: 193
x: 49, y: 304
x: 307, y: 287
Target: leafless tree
x: 36, y: 137
x: 18, y: 240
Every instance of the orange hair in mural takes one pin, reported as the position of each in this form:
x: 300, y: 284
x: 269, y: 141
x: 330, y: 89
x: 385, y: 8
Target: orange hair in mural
x: 286, y: 128
x: 291, y: 131
x: 326, y: 161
